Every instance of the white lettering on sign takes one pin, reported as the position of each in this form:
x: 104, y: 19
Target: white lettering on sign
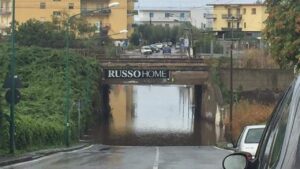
x: 136, y: 74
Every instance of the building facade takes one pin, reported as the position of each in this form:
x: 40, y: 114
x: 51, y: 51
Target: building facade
x: 199, y: 18
x: 165, y: 17
x: 246, y: 18
x: 110, y: 20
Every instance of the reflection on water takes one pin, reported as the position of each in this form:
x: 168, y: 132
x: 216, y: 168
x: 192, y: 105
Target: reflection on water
x: 155, y: 115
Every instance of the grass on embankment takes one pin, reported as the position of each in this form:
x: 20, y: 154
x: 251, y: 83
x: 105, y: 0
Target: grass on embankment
x: 248, y: 113
x: 40, y: 113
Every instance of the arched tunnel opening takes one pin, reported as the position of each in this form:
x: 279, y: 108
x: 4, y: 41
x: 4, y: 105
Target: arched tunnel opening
x: 161, y: 115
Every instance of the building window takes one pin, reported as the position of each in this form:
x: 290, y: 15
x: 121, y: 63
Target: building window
x: 229, y: 24
x: 238, y: 25
x: 238, y: 12
x: 253, y: 11
x: 167, y: 15
x: 245, y: 25
x: 56, y: 13
x: 43, y: 5
x: 71, y: 5
x: 98, y: 27
x: 181, y: 15
x: 167, y: 25
x: 229, y: 12
x: 151, y: 14
x: 244, y: 11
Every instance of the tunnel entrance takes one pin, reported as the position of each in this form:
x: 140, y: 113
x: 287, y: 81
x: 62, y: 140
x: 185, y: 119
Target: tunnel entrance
x: 154, y: 115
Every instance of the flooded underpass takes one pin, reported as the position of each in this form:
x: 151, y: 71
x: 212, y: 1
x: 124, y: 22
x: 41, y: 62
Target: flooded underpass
x: 155, y: 115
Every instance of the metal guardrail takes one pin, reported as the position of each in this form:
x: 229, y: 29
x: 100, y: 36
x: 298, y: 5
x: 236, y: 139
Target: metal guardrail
x: 150, y: 60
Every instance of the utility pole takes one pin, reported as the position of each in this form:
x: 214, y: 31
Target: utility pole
x: 231, y: 79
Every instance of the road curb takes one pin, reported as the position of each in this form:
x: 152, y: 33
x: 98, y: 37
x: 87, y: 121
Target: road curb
x: 224, y: 149
x: 39, y: 154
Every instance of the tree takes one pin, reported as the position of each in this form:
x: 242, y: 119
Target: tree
x: 77, y: 24
x: 135, y: 39
x: 44, y: 34
x: 281, y: 31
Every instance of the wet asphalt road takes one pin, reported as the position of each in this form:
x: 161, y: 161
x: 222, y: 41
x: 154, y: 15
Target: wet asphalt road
x: 117, y: 157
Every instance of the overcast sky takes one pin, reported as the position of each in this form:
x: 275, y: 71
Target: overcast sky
x: 184, y: 3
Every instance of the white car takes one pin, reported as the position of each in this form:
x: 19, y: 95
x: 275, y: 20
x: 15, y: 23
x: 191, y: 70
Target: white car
x: 159, y: 45
x: 146, y: 50
x: 249, y: 138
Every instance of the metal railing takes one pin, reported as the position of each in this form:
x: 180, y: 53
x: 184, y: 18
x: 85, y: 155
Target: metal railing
x: 232, y: 17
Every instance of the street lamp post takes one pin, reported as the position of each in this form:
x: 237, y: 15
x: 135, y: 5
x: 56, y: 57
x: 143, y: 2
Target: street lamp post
x: 67, y: 72
x: 12, y: 73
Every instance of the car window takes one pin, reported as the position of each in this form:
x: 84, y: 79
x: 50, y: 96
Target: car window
x: 254, y: 135
x: 274, y: 137
x: 279, y: 135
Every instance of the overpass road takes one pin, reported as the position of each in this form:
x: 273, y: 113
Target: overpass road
x: 119, y: 157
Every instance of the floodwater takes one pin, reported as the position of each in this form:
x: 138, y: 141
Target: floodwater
x: 155, y: 115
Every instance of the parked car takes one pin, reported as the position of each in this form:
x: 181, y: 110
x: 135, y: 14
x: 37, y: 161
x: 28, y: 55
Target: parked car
x: 159, y: 45
x: 249, y: 138
x: 279, y: 147
x: 177, y: 46
x: 166, y: 50
x: 154, y: 48
x: 146, y: 50
x: 165, y: 44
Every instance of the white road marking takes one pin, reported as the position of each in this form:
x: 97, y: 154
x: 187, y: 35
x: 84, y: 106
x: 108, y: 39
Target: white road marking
x: 156, y: 161
x: 74, y: 151
x: 223, y: 149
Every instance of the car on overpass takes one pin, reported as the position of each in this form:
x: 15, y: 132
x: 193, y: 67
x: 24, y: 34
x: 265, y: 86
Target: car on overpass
x: 159, y: 45
x: 146, y: 50
x: 154, y: 48
x: 166, y: 50
x: 279, y: 147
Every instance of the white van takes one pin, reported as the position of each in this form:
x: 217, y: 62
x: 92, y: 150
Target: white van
x: 249, y: 138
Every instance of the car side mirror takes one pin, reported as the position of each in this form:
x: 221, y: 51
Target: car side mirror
x: 235, y: 161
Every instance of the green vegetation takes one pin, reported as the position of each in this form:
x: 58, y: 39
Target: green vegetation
x: 283, y: 31
x: 40, y: 114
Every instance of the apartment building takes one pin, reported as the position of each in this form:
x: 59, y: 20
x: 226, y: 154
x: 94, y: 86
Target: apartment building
x: 199, y: 18
x: 110, y: 20
x: 163, y: 16
x: 246, y: 18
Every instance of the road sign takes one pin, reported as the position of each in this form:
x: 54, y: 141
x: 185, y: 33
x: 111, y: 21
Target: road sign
x: 9, y: 80
x: 17, y: 96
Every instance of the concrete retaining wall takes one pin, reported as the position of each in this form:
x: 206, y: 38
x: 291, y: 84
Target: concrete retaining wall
x: 253, y: 79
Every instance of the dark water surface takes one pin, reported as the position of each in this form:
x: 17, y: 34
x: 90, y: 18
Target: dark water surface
x: 155, y: 115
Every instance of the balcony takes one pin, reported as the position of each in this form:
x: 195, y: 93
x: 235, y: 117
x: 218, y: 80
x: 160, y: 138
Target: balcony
x: 226, y: 29
x: 232, y: 17
x: 3, y: 26
x: 5, y: 12
x: 132, y: 12
x: 210, y: 16
x: 103, y: 12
